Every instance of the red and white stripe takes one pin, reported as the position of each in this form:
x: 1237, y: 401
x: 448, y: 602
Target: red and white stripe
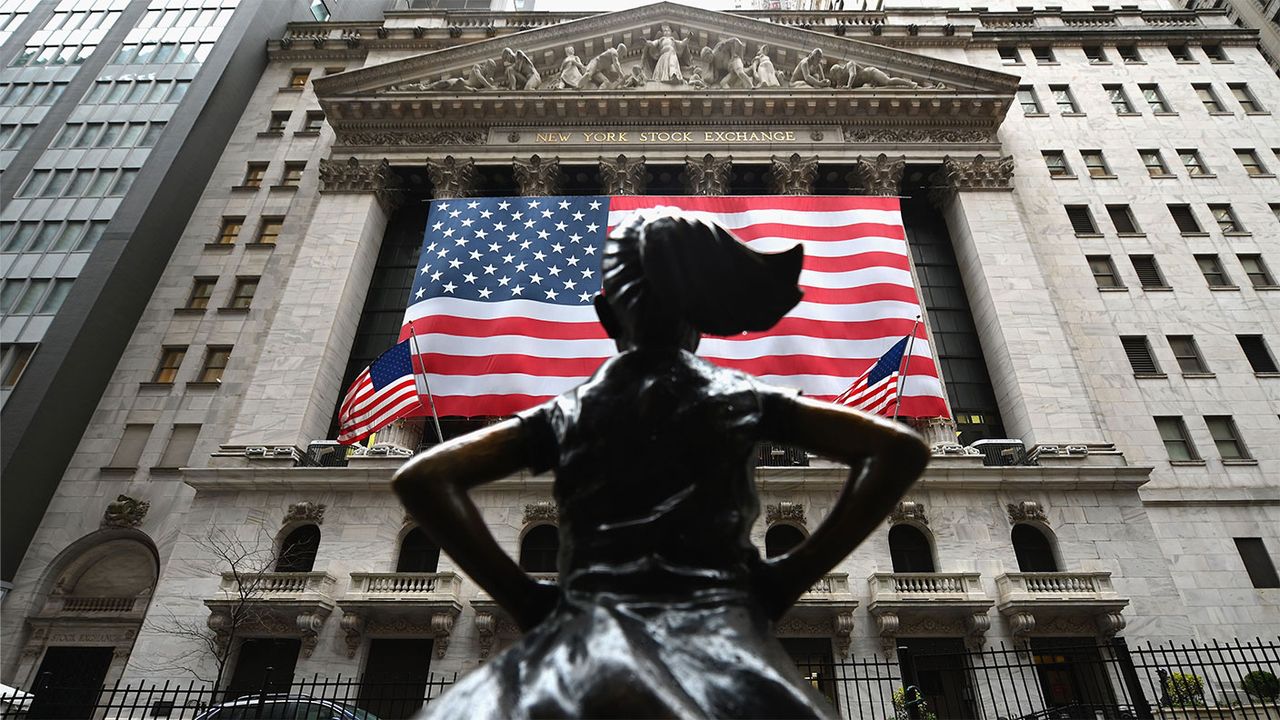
x: 365, y: 410
x: 496, y: 358
x: 878, y: 399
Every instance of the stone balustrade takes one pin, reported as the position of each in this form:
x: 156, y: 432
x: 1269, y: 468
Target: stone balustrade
x: 926, y: 587
x: 278, y: 585
x: 407, y: 585
x: 1037, y: 599
x: 82, y: 604
x: 831, y: 584
x: 1050, y: 585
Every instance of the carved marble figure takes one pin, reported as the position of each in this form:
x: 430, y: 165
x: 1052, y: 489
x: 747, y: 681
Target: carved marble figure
x: 725, y: 64
x: 665, y: 57
x: 809, y: 72
x: 477, y: 77
x: 762, y: 69
x: 851, y: 75
x: 663, y: 607
x: 635, y: 79
x: 605, y: 69
x: 572, y: 70
x: 519, y: 70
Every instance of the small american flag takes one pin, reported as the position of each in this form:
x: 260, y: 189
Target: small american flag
x: 501, y: 303
x: 383, y: 392
x: 876, y: 391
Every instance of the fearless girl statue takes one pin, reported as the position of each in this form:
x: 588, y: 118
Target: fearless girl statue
x: 664, y: 608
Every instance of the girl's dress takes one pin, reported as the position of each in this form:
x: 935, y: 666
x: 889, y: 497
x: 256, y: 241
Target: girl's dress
x: 653, y: 460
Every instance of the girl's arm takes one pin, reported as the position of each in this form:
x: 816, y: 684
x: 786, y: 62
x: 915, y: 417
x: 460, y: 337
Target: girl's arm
x: 433, y: 488
x: 886, y: 458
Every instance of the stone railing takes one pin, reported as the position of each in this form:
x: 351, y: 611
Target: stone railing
x: 926, y: 587
x: 406, y: 585
x: 90, y: 604
x: 278, y: 585
x: 1050, y: 586
x: 829, y: 584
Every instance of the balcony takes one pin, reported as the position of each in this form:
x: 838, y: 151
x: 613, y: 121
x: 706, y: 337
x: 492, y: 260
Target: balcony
x: 825, y: 610
x: 398, y: 603
x: 289, y: 603
x: 929, y: 604
x: 1083, y: 603
x: 95, y: 608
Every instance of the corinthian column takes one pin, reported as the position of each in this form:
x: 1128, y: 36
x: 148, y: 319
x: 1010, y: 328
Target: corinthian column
x: 880, y: 175
x: 793, y: 175
x: 708, y: 175
x: 452, y: 178
x: 623, y: 175
x: 538, y: 176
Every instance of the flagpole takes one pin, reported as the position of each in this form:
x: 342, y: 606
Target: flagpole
x: 413, y: 342
x: 906, y: 365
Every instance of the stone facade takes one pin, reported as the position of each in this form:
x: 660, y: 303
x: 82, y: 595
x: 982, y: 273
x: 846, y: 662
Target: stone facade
x: 1151, y: 540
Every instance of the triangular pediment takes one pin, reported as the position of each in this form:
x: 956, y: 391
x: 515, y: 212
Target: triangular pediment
x: 651, y: 60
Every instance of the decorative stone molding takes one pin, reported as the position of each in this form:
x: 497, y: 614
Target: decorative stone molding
x: 897, y: 135
x: 1025, y: 511
x: 908, y: 511
x: 492, y: 623
x: 304, y: 512
x: 441, y: 626
x: 784, y: 511
x: 978, y: 174
x: 936, y: 431
x: 976, y: 627
x: 360, y: 176
x: 352, y: 626
x: 397, y: 138
x: 623, y: 175
x: 1021, y: 624
x: 125, y: 512
x: 951, y: 448
x: 545, y: 511
x: 708, y: 175
x: 538, y: 175
x: 309, y: 624
x: 1109, y: 624
x: 880, y: 175
x: 451, y: 177
x: 793, y: 175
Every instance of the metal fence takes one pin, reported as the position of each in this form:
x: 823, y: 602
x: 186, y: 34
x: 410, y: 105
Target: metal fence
x: 1047, y: 679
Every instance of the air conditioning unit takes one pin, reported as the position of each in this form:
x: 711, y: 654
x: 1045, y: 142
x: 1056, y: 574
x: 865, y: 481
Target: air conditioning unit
x: 286, y: 452
x: 1001, y: 452
x: 255, y: 451
x: 327, y: 453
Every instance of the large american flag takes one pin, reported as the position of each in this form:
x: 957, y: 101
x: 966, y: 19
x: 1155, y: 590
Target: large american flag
x: 501, y: 303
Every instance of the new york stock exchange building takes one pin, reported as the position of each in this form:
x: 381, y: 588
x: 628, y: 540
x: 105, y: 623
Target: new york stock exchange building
x: 1091, y: 209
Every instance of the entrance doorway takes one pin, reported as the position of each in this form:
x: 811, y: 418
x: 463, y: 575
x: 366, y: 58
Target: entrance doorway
x: 68, y: 681
x: 395, y: 677
x: 814, y: 659
x: 264, y: 665
x: 1073, y: 677
x: 941, y: 673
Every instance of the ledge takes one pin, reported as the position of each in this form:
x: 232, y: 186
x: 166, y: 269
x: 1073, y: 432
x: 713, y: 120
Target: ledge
x: 307, y: 133
x: 188, y: 311
x: 155, y: 386
x: 1221, y: 113
x: 271, y: 134
x: 1264, y: 176
x: 1158, y: 288
x: 1203, y: 176
x: 1224, y: 287
x: 1237, y: 233
x: 245, y: 188
x: 1129, y: 113
x: 218, y: 246
x: 1266, y: 287
x: 292, y: 89
x: 113, y: 470
x: 1267, y: 374
x: 1120, y: 288
x: 1186, y: 463
x: 1199, y: 376
x: 198, y: 385
x: 1075, y: 114
x: 1162, y: 176
x: 1240, y: 462
x: 290, y: 188
x: 259, y: 245
x: 233, y: 311
x: 1151, y: 376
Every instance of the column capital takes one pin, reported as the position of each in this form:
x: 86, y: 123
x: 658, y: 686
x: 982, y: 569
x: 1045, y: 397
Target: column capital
x: 360, y: 176
x: 978, y: 173
x: 880, y: 175
x: 623, y: 175
x: 538, y: 175
x: 451, y: 177
x: 708, y: 175
x: 793, y: 175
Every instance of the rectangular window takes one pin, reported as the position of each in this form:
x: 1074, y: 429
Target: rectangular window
x: 242, y: 295
x: 1181, y: 52
x: 1193, y: 162
x: 110, y: 135
x: 1104, y: 271
x: 1009, y: 55
x: 13, y: 360
x: 67, y: 238
x: 1256, y: 269
x: 1129, y: 53
x: 1155, y: 99
x: 132, y: 134
x: 1257, y: 562
x: 170, y: 361
x: 1247, y: 101
x: 1251, y: 162
x: 177, y: 452
x: 1119, y: 100
x: 57, y: 183
x: 1043, y: 54
x: 278, y: 121
x: 1149, y: 275
x: 57, y: 293
x: 131, y: 444
x: 1214, y: 53
x: 1177, y: 442
x: 254, y: 174
x: 1081, y: 220
x: 1138, y: 350
x: 215, y: 363
x: 1208, y: 97
x: 314, y: 121
x: 1056, y: 161
x: 1095, y: 54
x: 1095, y: 163
x: 92, y: 236
x: 269, y: 230
x: 230, y: 230
x: 292, y: 174
x: 1063, y: 99
x: 1256, y: 352
x: 64, y: 137
x: 298, y: 79
x: 79, y: 183
x: 35, y: 181
x: 1122, y: 219
x: 154, y: 130
x: 201, y: 291
x: 1185, y: 219
x: 1187, y: 353
x: 1214, y: 274
x: 20, y: 238
x: 1028, y: 100
x: 1226, y: 436
x: 124, y: 181
x: 1226, y: 218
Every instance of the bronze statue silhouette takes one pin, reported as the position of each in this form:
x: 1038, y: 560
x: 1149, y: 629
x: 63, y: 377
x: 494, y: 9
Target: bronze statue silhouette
x: 663, y: 608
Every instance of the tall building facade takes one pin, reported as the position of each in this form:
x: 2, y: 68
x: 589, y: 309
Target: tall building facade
x: 1088, y: 196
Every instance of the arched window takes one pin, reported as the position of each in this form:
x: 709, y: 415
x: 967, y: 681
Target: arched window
x: 418, y: 553
x: 539, y: 548
x: 1033, y: 548
x: 782, y: 539
x: 910, y: 550
x: 298, y: 550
